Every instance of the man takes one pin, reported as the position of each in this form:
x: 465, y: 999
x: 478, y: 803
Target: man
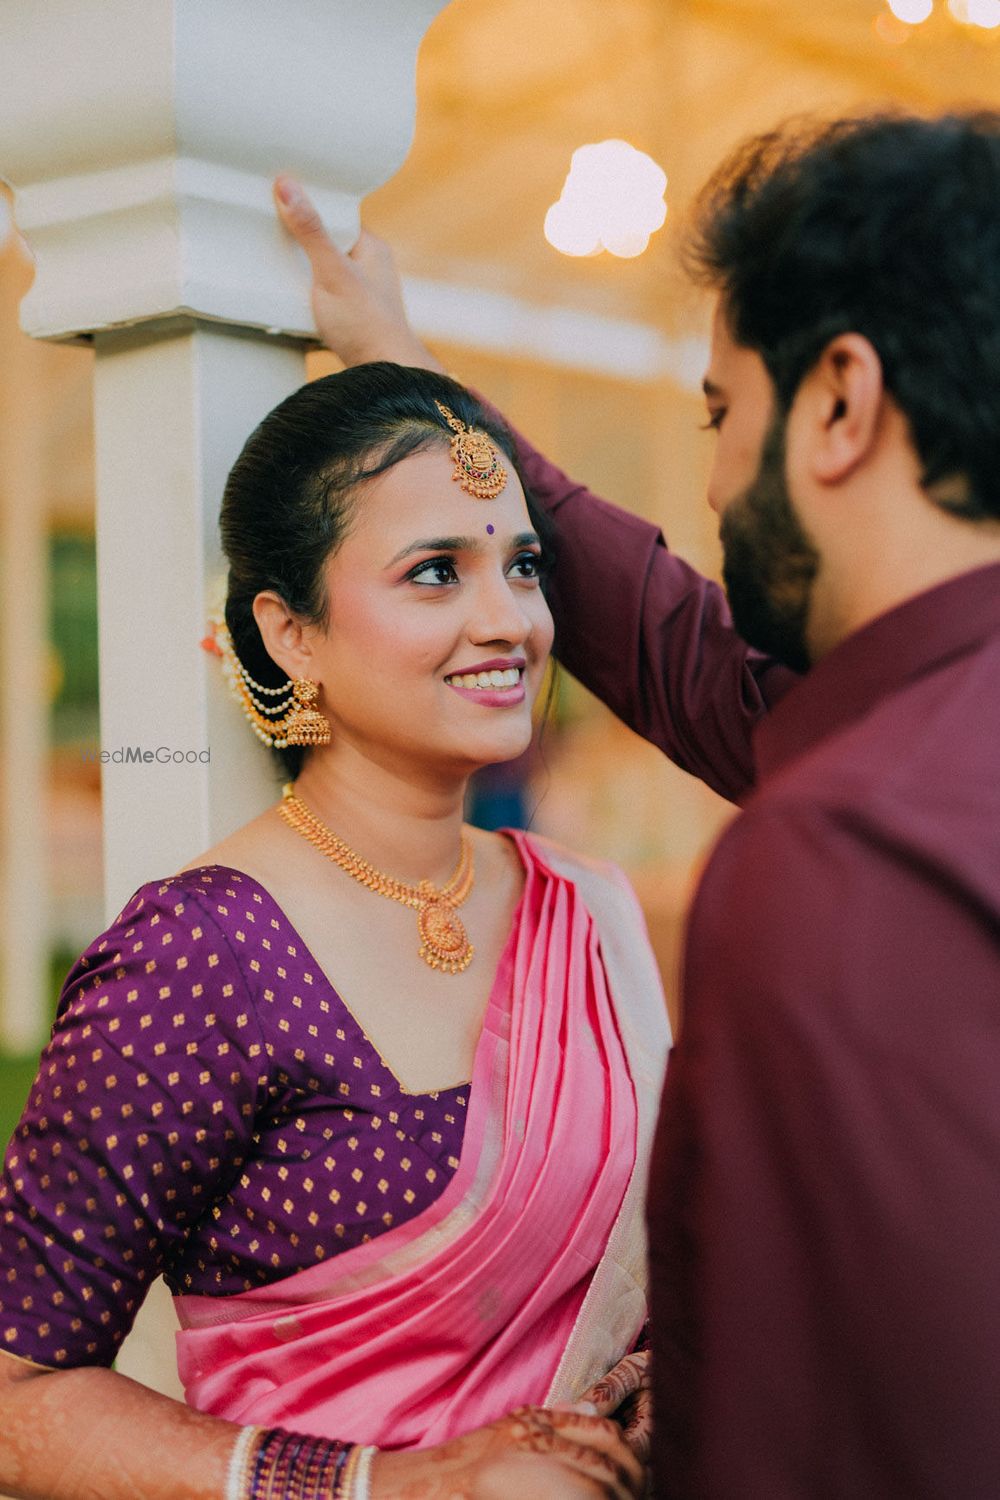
x: 825, y: 1200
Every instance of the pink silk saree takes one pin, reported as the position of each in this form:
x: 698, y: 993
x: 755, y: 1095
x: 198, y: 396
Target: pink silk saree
x: 525, y: 1280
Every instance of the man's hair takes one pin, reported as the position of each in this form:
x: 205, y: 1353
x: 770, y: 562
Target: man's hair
x: 887, y: 226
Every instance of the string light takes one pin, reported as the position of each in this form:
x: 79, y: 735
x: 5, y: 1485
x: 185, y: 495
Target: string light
x: 611, y: 200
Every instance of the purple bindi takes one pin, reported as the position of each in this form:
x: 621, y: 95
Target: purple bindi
x: 490, y: 530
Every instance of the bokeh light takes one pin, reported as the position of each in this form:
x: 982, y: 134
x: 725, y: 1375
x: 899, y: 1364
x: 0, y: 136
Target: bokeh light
x: 891, y: 31
x: 611, y: 200
x: 913, y: 12
x: 984, y: 13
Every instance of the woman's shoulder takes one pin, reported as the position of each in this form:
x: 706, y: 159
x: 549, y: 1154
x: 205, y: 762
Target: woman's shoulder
x: 178, y: 925
x: 506, y: 854
x: 185, y: 896
x: 248, y: 848
x: 573, y: 865
x: 613, y: 905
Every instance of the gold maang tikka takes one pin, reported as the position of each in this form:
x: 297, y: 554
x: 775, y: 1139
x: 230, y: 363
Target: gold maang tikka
x: 280, y: 716
x: 478, y: 468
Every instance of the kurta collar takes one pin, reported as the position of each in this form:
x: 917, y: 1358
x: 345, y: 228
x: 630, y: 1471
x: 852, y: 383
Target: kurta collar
x: 914, y: 638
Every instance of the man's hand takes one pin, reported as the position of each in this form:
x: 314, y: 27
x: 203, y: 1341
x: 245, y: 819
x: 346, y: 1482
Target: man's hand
x: 357, y: 299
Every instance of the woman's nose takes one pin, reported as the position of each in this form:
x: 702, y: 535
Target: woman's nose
x: 498, y: 614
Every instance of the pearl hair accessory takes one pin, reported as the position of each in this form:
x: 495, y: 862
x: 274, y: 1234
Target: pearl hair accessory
x: 292, y: 718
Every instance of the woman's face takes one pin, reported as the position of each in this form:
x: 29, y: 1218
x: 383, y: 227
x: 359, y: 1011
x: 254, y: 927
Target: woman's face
x: 432, y: 594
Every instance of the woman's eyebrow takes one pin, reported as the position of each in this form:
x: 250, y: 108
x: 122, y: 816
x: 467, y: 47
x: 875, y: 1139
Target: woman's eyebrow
x: 434, y: 544
x: 457, y: 544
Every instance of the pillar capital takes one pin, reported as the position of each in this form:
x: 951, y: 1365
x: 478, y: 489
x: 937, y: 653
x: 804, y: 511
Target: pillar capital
x: 141, y: 141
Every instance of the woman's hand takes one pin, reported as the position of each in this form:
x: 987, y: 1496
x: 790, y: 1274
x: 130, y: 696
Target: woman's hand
x: 357, y: 299
x: 532, y: 1454
x: 624, y: 1393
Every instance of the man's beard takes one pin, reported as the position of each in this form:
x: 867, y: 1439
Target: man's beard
x: 769, y: 563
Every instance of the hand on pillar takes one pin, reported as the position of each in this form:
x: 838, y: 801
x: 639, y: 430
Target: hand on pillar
x: 357, y: 299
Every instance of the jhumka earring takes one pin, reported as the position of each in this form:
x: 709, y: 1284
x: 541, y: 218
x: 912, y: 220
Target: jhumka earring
x: 478, y: 468
x: 290, y: 718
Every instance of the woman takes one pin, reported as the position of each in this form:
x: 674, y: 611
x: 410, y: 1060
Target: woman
x: 372, y: 1089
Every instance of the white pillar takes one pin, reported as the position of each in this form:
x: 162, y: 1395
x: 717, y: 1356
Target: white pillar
x: 23, y: 686
x: 172, y: 408
x: 142, y: 139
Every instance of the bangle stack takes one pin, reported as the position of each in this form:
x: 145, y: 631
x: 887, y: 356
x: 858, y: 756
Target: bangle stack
x: 269, y: 1463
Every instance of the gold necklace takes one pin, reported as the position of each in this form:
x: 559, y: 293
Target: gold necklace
x: 444, y: 942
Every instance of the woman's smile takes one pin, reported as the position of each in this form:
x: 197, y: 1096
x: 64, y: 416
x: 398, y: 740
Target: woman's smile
x: 494, y: 684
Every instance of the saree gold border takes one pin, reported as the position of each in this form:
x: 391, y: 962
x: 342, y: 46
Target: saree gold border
x: 614, y: 1308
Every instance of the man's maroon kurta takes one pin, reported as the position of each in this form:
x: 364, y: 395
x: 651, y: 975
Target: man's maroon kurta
x: 825, y: 1199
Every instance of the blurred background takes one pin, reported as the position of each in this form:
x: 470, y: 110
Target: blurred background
x: 597, y: 357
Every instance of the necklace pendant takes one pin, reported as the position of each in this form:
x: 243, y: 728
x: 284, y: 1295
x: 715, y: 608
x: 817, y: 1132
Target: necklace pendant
x: 444, y: 941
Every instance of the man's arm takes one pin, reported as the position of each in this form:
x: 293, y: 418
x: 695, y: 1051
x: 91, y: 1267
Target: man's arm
x: 641, y: 629
x: 824, y: 1205
x: 650, y: 636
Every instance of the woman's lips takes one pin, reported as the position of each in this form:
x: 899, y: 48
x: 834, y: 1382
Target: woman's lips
x: 505, y: 693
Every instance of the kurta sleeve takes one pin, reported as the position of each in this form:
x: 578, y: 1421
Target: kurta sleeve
x: 823, y: 1212
x: 141, y: 1114
x: 650, y: 636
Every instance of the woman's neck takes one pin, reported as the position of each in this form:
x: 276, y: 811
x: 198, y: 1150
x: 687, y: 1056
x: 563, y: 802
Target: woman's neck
x: 406, y: 826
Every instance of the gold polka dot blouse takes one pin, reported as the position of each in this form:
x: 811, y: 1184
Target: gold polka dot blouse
x: 207, y: 1108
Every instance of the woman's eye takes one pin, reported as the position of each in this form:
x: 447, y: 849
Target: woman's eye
x: 527, y: 565
x: 437, y: 570
x: 714, y: 420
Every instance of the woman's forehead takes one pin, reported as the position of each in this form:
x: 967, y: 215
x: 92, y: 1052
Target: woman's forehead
x: 420, y: 495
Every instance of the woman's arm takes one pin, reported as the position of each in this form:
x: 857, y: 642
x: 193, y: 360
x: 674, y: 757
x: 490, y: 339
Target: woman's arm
x: 105, y: 1172
x: 640, y: 628
x: 89, y: 1434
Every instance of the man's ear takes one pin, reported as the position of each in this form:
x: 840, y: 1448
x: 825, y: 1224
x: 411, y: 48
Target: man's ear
x: 842, y: 401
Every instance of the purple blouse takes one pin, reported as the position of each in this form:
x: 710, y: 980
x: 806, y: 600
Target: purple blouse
x: 207, y: 1108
